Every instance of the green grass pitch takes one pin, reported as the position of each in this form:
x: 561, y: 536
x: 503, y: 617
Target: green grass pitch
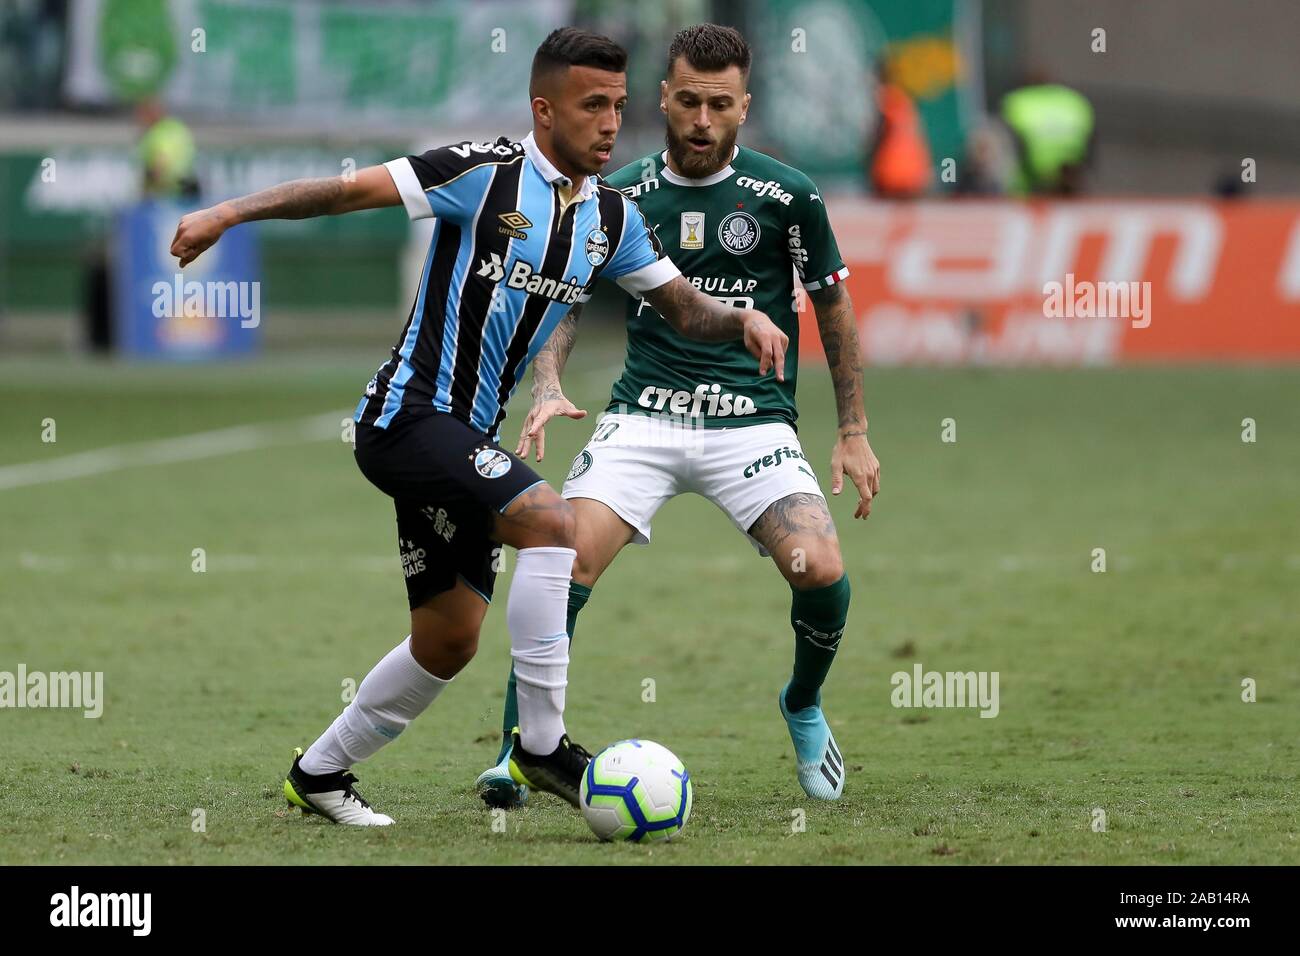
x: 1119, y: 691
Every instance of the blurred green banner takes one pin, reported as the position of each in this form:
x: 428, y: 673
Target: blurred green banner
x: 312, y: 63
x: 815, y: 68
x: 55, y: 208
x: 63, y: 196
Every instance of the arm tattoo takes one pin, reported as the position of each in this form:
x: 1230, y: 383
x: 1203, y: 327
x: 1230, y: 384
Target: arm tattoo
x: 299, y: 199
x: 694, y: 314
x: 550, y: 361
x: 838, y: 326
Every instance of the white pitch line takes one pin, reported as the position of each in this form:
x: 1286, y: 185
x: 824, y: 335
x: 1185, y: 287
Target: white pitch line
x: 211, y: 444
x: 166, y: 451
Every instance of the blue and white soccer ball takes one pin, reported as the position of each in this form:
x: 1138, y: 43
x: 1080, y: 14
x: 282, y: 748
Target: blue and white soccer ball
x: 636, y: 790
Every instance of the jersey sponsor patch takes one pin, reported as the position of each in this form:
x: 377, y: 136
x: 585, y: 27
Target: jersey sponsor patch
x: 738, y: 232
x: 497, y: 148
x: 705, y: 400
x: 597, y: 247
x: 522, y: 276
x: 798, y: 254
x: 491, y: 462
x: 766, y: 188
x: 581, y: 465
x: 692, y: 230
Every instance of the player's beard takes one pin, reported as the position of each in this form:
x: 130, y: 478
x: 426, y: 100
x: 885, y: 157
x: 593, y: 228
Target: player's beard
x: 698, y: 165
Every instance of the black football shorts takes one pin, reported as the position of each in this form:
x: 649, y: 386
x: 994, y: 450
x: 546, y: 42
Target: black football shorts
x: 448, y: 482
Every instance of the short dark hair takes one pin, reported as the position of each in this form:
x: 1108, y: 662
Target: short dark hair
x: 569, y: 46
x: 709, y: 47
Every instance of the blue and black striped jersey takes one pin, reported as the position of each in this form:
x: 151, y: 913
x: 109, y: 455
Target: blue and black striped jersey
x: 508, y: 258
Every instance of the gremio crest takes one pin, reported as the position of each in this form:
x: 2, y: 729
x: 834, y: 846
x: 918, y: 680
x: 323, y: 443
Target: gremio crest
x: 597, y: 247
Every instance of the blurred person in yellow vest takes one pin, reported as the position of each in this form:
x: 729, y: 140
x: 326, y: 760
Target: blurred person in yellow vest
x: 1053, y: 129
x: 165, y: 152
x: 898, y: 153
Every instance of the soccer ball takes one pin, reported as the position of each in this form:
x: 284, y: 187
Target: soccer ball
x: 636, y: 790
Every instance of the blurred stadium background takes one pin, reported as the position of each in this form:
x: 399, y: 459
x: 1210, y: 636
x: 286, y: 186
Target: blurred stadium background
x: 1183, y: 93
x: 968, y: 153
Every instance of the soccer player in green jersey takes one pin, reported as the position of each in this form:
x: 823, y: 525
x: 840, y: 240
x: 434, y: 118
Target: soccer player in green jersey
x: 689, y: 416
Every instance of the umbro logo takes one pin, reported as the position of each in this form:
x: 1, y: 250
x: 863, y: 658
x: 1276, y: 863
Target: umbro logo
x: 513, y: 224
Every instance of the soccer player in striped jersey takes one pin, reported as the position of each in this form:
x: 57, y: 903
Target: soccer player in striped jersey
x: 689, y: 416
x: 522, y: 231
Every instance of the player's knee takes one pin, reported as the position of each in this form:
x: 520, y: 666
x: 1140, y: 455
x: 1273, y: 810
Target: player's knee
x: 815, y: 567
x: 557, y: 526
x: 585, y: 570
x: 461, y: 643
x: 442, y: 647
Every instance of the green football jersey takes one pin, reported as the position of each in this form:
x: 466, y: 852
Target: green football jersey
x: 741, y: 236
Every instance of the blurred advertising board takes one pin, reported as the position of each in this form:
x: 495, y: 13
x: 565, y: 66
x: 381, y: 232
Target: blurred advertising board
x: 211, y: 310
x: 1070, y: 283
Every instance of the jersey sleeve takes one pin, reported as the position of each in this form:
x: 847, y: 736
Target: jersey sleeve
x: 639, y: 263
x: 441, y: 182
x: 812, y: 245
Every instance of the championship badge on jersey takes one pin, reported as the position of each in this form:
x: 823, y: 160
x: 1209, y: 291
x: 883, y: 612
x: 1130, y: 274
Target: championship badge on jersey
x: 692, y: 230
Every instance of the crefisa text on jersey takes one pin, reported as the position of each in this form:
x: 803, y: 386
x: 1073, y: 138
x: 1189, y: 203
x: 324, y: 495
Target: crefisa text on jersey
x: 765, y: 187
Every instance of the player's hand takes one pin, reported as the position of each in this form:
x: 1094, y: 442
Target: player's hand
x: 766, y: 343
x: 199, y: 230
x: 543, y: 411
x: 853, y: 456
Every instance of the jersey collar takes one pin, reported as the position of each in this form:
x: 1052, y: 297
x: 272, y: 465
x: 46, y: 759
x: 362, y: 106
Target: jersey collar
x: 550, y: 173
x: 724, y: 173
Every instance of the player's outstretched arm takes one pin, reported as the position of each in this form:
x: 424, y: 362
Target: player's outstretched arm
x: 838, y: 326
x: 548, y: 399
x: 370, y: 188
x: 705, y: 319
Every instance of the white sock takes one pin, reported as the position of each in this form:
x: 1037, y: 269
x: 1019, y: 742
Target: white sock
x: 394, y: 693
x: 539, y: 643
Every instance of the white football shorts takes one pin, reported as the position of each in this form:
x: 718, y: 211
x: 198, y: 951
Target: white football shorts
x: 635, y: 463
